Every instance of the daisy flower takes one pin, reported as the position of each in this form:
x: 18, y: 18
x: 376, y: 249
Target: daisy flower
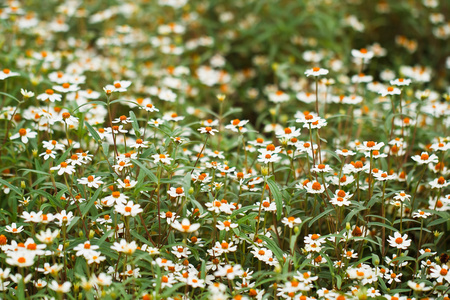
x: 127, y: 183
x: 91, y: 181
x: 49, y: 95
x: 291, y: 221
x: 13, y: 228
x: 185, y: 226
x: 315, y: 187
x: 48, y: 153
x: 208, y: 130
x: 176, y: 192
x: 24, y: 134
x: 229, y: 271
x: 149, y: 107
x: 402, y: 196
x: 440, y: 273
x: 60, y: 288
x: 439, y: 183
x: 172, y: 117
x: 128, y: 209
x: 139, y: 144
x: 26, y: 94
x: 237, y: 125
x: 20, y: 258
x: 398, y: 241
x: 401, y: 82
x: 316, y: 72
x: 6, y: 73
x: 425, y: 158
x: 163, y: 158
x: 421, y: 214
x: 389, y: 91
x: 370, y: 146
x: 226, y: 225
x: 118, y: 86
x: 64, y: 168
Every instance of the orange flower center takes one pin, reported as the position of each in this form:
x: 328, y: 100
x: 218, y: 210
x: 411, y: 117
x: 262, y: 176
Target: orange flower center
x: 49, y: 92
x: 22, y: 132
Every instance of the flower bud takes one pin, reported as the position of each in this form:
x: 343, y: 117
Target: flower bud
x: 23, y: 184
x: 221, y: 97
x: 80, y: 233
x: 35, y: 153
x: 277, y: 269
x: 296, y: 229
x: 91, y: 234
x: 348, y: 226
x: 264, y: 171
x: 191, y: 190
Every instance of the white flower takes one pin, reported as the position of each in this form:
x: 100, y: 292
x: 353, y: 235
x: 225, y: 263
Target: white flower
x: 401, y: 82
x: 124, y: 247
x: 389, y: 91
x: 26, y: 94
x: 13, y: 228
x: 164, y: 158
x: 60, y: 288
x: 291, y: 221
x: 20, y: 258
x: 424, y: 158
x: 49, y: 95
x: 398, y: 241
x: 64, y: 168
x: 207, y: 130
x: 47, y: 236
x: 316, y: 72
x: 24, y: 134
x: 185, y: 226
x: 129, y: 209
x: 64, y: 218
x: 91, y: 181
x: 118, y: 86
x: 421, y: 214
x: 226, y: 225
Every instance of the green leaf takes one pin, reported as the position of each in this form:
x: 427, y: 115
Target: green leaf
x: 147, y: 171
x: 381, y: 225
x: 15, y: 189
x: 277, y: 196
x: 91, y: 202
x: 324, y: 213
x: 272, y: 246
x: 93, y: 132
x: 135, y: 124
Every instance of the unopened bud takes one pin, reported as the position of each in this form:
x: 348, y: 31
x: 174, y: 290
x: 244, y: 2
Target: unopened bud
x: 221, y: 97
x: 23, y: 184
x: 348, y: 226
x: 277, y: 269
x: 264, y: 171
x: 296, y: 229
x: 91, y: 234
x: 191, y: 190
x: 80, y: 233
x: 35, y: 153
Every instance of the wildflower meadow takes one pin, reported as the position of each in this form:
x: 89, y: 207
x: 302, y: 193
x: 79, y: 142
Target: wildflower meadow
x: 225, y: 149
